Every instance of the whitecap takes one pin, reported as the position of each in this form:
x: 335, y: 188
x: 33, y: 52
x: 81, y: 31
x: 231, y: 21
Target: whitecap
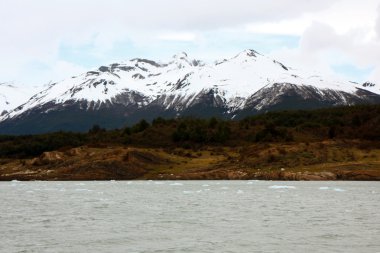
x: 16, y: 183
x: 240, y: 192
x: 83, y: 190
x: 324, y: 188
x: 282, y: 187
x: 339, y: 190
x: 176, y: 184
x: 50, y: 189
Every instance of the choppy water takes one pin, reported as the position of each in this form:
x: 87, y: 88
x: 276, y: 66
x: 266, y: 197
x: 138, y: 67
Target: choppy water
x: 190, y: 216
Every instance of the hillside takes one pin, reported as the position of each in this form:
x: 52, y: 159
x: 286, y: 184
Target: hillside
x: 327, y: 144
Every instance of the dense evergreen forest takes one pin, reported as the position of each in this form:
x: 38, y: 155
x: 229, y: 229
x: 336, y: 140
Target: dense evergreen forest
x: 342, y: 123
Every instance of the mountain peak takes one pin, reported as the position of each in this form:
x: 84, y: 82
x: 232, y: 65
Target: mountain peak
x: 181, y: 60
x: 181, y: 55
x: 8, y: 84
x: 249, y: 53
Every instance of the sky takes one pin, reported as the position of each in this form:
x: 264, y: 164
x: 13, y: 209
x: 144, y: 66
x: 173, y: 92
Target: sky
x: 44, y: 41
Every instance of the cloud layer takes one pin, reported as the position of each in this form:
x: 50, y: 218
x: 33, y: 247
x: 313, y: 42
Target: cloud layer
x: 43, y: 40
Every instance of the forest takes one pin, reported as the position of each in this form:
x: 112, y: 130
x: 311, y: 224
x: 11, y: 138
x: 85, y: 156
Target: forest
x: 303, y: 126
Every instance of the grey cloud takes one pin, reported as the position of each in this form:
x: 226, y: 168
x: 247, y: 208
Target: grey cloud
x: 322, y: 37
x: 151, y: 14
x: 318, y: 37
x: 36, y: 28
x: 210, y: 14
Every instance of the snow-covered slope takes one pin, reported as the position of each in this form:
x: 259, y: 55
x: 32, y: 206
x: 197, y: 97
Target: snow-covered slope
x: 234, y: 79
x: 248, y: 81
x: 371, y: 87
x: 12, y: 96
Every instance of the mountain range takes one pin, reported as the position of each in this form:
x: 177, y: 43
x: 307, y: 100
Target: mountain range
x: 123, y: 93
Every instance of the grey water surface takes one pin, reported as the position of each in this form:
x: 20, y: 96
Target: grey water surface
x: 190, y: 216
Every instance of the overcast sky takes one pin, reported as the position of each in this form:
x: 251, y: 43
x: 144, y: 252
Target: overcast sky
x: 49, y: 40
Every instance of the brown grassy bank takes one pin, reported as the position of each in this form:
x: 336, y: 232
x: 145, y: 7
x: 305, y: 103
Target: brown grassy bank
x: 325, y: 160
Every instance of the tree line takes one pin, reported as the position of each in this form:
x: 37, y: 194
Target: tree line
x: 356, y: 122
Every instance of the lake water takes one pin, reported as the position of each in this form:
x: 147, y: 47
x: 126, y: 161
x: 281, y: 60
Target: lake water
x: 190, y: 216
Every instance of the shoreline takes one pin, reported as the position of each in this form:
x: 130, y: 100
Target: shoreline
x: 211, y: 163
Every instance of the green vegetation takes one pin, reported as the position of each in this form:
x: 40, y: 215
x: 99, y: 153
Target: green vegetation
x: 343, y: 123
x: 201, y: 131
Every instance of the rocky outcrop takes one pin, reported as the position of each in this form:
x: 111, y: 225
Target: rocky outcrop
x: 217, y: 174
x: 48, y: 158
x: 367, y: 175
x: 307, y: 176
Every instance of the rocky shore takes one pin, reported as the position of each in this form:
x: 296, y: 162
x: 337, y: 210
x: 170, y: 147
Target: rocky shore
x: 129, y: 163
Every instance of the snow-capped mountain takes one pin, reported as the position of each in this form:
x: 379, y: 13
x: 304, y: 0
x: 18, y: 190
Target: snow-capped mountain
x: 12, y: 96
x: 123, y: 93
